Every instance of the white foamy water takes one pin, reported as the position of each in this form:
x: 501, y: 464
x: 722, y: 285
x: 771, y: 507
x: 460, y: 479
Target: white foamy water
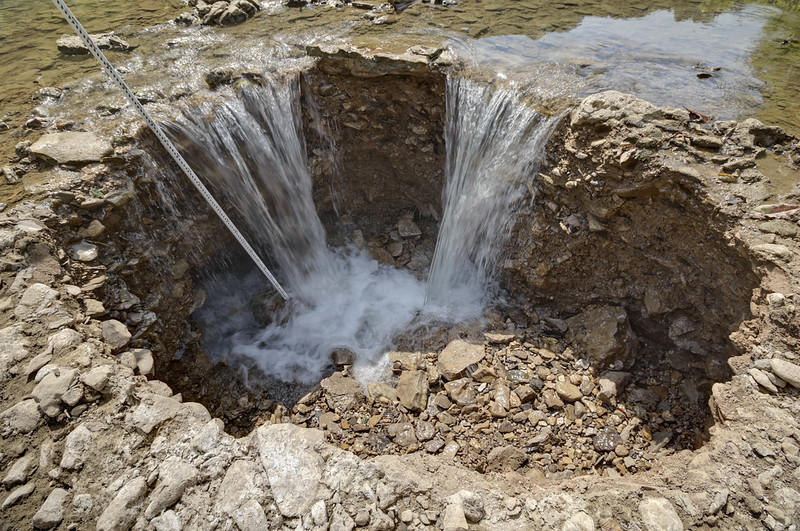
x: 362, y: 307
x: 494, y: 145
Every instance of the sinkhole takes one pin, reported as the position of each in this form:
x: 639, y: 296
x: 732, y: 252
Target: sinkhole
x: 468, y: 277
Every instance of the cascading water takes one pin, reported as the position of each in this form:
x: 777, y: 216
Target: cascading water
x: 253, y: 150
x: 494, y: 141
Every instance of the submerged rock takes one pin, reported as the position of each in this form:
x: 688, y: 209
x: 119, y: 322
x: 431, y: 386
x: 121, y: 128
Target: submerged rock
x: 73, y: 45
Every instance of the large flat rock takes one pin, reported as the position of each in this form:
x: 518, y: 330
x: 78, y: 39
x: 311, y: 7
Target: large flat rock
x: 73, y: 148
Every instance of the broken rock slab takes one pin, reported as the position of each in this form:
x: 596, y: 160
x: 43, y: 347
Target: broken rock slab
x: 50, y: 390
x: 294, y: 468
x: 343, y: 391
x: 22, y: 417
x: 457, y: 356
x: 72, y: 148
x: 174, y: 477
x: 125, y: 507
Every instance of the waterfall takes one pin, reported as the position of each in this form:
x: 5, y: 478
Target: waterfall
x: 252, y: 149
x: 495, y: 143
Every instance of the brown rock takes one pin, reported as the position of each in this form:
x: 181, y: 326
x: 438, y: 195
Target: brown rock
x: 412, y: 390
x: 603, y: 332
x: 456, y: 357
x: 568, y: 392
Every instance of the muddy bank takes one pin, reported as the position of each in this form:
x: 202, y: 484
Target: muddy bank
x: 652, y: 287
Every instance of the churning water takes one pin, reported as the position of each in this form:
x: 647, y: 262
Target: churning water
x: 252, y: 149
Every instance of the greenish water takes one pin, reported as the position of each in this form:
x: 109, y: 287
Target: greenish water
x: 726, y: 59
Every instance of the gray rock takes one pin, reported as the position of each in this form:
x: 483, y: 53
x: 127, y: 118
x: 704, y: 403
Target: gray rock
x: 425, y: 431
x: 94, y: 308
x: 13, y: 347
x: 380, y: 390
x: 144, y: 360
x: 454, y: 518
x: 772, y: 252
x: 244, y: 480
x: 407, y: 228
x: 37, y: 300
x: 294, y: 468
x: 51, y: 512
x: 319, y: 514
x: 169, y: 521
x: 83, y: 252
x: 461, y: 391
x: 344, y: 392
x: 19, y: 471
x: 82, y: 504
x: 456, y: 357
x: 174, y: 477
x: 611, y: 384
x: 73, y: 148
x: 125, y: 507
x: 73, y: 395
x: 153, y: 410
x: 762, y: 379
x: 37, y: 363
x: 115, y: 333
x: 97, y: 378
x: 403, y: 434
x: 579, y: 522
x: 17, y: 494
x: 206, y: 440
x: 658, y: 514
x: 412, y: 390
x: 64, y: 340
x: 787, y: 371
x: 50, y: 390
x: 607, y: 439
x: 604, y: 332
x: 73, y: 45
x: 251, y: 517
x: 719, y: 501
x: 22, y: 417
x: 340, y: 520
x: 471, y: 504
x: 77, y: 448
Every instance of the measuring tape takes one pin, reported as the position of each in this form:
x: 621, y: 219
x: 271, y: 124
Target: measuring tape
x: 168, y: 145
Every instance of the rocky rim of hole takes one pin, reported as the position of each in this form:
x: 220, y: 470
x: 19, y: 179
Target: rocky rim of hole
x: 90, y: 309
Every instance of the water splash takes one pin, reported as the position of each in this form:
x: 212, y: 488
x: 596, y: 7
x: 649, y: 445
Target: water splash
x: 494, y: 144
